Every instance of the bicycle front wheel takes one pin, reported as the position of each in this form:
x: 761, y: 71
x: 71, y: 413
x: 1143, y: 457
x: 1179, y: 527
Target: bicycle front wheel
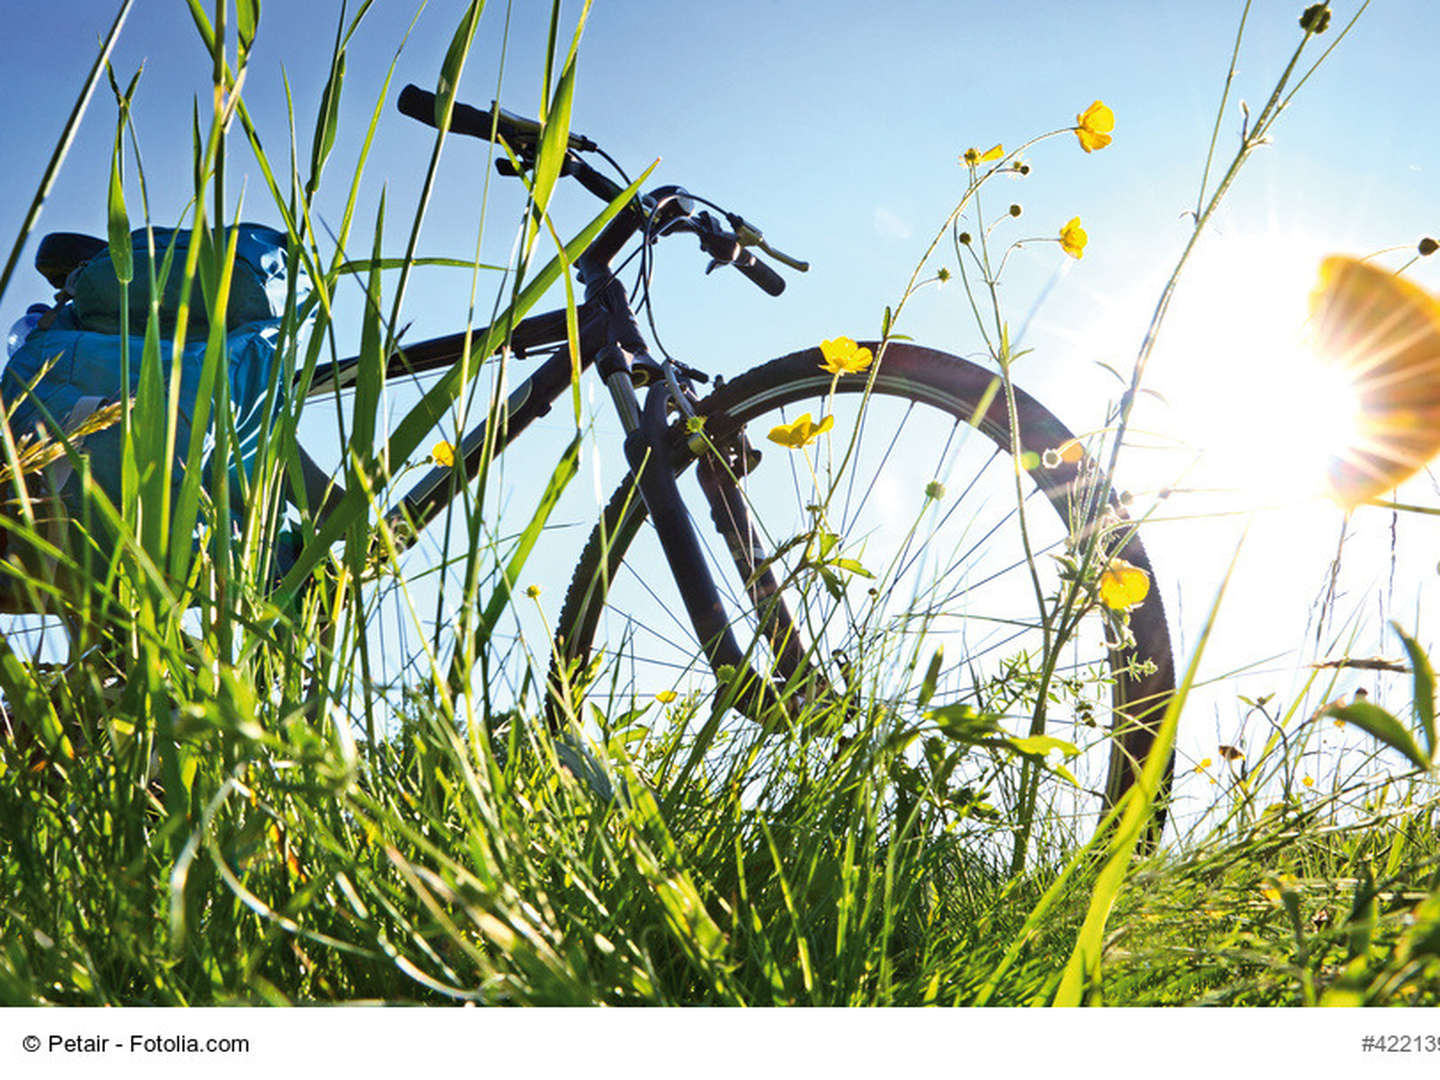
x: 897, y: 534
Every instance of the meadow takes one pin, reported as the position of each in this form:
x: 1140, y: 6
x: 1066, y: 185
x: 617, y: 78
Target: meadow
x: 351, y: 773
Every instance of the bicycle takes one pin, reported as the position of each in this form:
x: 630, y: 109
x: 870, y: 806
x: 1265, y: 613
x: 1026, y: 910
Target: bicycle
x: 780, y: 615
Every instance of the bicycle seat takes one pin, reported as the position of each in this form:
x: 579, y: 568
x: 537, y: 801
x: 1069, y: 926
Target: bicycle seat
x: 61, y: 252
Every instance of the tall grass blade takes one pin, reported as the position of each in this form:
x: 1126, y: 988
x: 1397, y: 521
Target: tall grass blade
x: 202, y: 24
x: 62, y: 146
x: 122, y: 256
x: 327, y: 121
x: 1424, y: 677
x: 555, y: 133
x: 247, y: 21
x: 370, y: 377
x: 1082, y: 970
x: 1378, y: 723
x: 448, y: 85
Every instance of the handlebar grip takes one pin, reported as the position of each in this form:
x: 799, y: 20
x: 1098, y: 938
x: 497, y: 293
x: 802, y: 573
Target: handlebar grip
x: 467, y: 120
x: 464, y: 119
x: 417, y: 104
x: 760, y: 273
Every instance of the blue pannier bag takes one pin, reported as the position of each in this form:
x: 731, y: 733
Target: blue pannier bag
x: 257, y: 284
x: 69, y: 366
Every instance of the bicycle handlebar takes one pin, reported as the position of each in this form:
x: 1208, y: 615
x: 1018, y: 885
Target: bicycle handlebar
x: 724, y: 248
x: 465, y: 119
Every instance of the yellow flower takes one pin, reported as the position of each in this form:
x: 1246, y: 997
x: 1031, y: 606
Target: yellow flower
x: 1094, y: 126
x: 1276, y: 886
x: 443, y: 455
x: 1073, y: 239
x: 1123, y: 586
x: 1381, y: 333
x: 973, y: 157
x: 843, y: 356
x: 1069, y: 452
x: 532, y: 591
x: 1309, y: 781
x: 801, y: 432
x: 665, y: 697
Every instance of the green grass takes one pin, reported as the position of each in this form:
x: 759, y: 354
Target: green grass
x: 309, y: 867
x: 249, y: 804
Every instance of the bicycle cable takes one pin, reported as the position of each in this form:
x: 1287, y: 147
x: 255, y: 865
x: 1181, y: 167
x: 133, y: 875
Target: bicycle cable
x: 650, y: 234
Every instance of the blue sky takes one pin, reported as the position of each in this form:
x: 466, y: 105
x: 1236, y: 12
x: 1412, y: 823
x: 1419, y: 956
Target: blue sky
x: 837, y: 129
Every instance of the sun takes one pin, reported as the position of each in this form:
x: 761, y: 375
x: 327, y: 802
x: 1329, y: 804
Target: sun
x: 1297, y: 417
x: 1260, y: 416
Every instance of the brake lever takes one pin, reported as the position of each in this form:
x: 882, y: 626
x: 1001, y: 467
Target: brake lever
x: 749, y: 236
x: 708, y: 231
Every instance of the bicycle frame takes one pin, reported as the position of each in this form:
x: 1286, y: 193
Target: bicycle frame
x: 610, y: 340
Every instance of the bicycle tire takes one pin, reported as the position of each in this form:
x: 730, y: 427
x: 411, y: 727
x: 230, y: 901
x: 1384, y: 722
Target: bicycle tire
x: 1143, y: 674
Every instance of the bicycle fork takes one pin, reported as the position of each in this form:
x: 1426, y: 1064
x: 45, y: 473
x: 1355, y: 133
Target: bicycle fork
x: 650, y: 453
x: 651, y: 461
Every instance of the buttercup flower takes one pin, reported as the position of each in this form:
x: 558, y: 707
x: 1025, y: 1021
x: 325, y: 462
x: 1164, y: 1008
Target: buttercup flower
x: 665, y: 697
x: 801, y: 432
x: 532, y: 591
x: 1093, y: 127
x: 1073, y: 239
x: 1123, y: 586
x: 973, y: 157
x: 1381, y: 333
x: 443, y: 455
x: 843, y: 356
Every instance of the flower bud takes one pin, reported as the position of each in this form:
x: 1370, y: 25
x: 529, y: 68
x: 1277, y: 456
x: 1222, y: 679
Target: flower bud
x: 1429, y: 246
x: 965, y: 238
x: 1015, y: 209
x: 1316, y: 18
x: 943, y: 274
